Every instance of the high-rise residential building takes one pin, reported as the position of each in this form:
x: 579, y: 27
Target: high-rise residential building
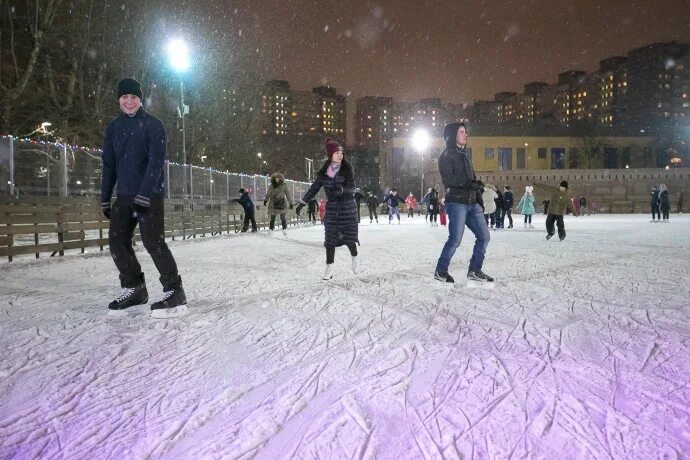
x: 486, y: 112
x: 373, y: 121
x: 657, y: 87
x: 331, y: 118
x: 506, y: 109
x: 609, y: 84
x: 276, y: 103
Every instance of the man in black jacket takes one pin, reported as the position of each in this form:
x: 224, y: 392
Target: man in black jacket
x: 248, y: 205
x: 134, y: 152
x: 463, y: 205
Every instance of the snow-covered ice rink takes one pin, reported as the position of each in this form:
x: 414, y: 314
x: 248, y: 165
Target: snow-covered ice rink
x: 582, y: 349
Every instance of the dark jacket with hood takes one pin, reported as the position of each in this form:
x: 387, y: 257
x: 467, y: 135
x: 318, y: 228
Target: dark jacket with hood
x: 393, y: 201
x: 508, y: 200
x: 246, y: 202
x: 372, y: 202
x: 133, y: 156
x: 341, y: 223
x: 457, y: 172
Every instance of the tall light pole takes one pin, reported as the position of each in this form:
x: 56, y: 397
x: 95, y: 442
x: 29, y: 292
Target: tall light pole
x: 44, y: 129
x: 421, y: 139
x: 178, y: 56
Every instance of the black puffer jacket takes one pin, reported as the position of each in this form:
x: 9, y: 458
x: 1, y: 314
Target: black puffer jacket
x: 340, y: 222
x: 457, y: 172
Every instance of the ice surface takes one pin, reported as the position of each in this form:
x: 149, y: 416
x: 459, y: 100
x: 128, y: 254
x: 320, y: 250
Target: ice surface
x: 580, y: 351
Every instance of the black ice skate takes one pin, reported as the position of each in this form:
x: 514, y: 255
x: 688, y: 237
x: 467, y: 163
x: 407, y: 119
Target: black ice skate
x: 479, y: 276
x: 130, y: 297
x: 172, y: 305
x: 444, y: 277
x: 549, y: 235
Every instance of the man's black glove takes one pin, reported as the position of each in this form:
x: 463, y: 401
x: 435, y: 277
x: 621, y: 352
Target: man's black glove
x: 105, y: 209
x: 141, y: 204
x: 299, y: 208
x: 290, y: 205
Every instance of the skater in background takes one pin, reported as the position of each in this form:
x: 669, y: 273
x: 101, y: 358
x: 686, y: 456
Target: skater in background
x: 248, y: 206
x: 507, y: 208
x: 559, y: 203
x: 576, y: 205
x: 664, y: 203
x: 340, y: 224
x: 680, y: 203
x: 526, y: 206
x: 134, y: 152
x: 311, y: 210
x: 499, y: 210
x: 434, y: 207
x: 322, y: 209
x: 583, y: 205
x: 654, y: 204
x: 372, y: 204
x: 278, y: 200
x: 489, y: 196
x: 463, y: 205
x: 411, y: 203
x: 393, y: 202
x: 359, y: 196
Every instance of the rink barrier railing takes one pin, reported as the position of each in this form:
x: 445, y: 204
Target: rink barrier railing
x: 52, y: 225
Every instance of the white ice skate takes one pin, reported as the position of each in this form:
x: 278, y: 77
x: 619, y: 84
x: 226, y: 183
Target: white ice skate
x: 328, y: 274
x: 355, y: 264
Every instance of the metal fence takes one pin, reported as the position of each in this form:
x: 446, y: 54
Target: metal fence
x: 39, y: 168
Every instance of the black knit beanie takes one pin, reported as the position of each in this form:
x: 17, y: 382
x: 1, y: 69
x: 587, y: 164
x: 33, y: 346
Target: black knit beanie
x: 564, y: 184
x: 129, y: 86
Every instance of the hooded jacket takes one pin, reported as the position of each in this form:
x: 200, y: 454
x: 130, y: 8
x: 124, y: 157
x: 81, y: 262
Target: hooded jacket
x: 277, y: 196
x: 489, y: 196
x: 456, y: 170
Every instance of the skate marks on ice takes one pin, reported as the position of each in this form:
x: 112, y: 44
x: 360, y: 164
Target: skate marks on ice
x: 272, y: 362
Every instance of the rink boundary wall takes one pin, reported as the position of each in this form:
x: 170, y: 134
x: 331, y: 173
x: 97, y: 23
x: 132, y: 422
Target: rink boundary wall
x: 52, y: 225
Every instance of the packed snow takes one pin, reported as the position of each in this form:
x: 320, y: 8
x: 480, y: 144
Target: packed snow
x: 580, y: 351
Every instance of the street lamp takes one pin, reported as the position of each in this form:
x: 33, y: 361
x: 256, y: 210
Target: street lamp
x: 43, y: 129
x: 178, y: 57
x: 421, y: 140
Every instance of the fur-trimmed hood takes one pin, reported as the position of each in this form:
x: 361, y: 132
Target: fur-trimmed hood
x: 277, y: 179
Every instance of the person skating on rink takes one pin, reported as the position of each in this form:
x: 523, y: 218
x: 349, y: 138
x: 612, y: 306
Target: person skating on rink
x: 526, y: 206
x: 322, y: 209
x: 463, y: 205
x: 359, y: 196
x: 559, y: 203
x: 372, y: 204
x: 249, y: 212
x: 507, y: 207
x: 411, y: 203
x: 489, y: 196
x: 434, y: 207
x: 393, y: 201
x: 654, y: 204
x: 340, y: 223
x: 311, y: 210
x: 134, y: 152
x: 664, y: 203
x: 499, y: 210
x: 278, y: 201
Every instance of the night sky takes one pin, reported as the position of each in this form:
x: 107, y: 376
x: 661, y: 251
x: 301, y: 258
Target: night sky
x: 460, y: 51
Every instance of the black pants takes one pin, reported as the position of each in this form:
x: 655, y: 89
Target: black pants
x: 664, y: 212
x: 359, y: 217
x: 311, y: 216
x: 373, y: 215
x: 509, y: 214
x: 528, y: 218
x: 656, y: 213
x: 410, y: 212
x: 432, y: 216
x: 498, y: 218
x: 247, y: 219
x: 272, y: 223
x: 123, y: 221
x: 330, y: 252
x: 550, y: 219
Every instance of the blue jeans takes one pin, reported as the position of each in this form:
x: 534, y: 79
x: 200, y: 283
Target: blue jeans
x: 392, y: 210
x: 460, y: 215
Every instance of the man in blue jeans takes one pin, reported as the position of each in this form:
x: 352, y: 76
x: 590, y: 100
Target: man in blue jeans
x: 464, y: 205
